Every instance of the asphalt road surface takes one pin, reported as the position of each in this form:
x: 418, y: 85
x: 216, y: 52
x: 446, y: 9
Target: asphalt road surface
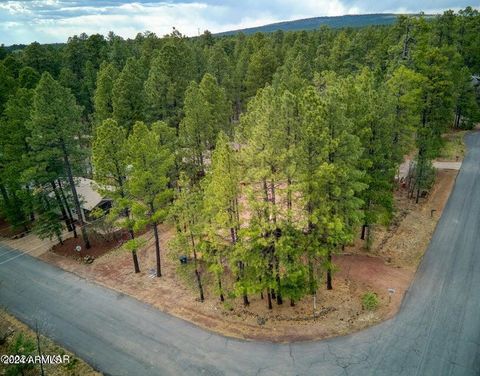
x: 437, y: 331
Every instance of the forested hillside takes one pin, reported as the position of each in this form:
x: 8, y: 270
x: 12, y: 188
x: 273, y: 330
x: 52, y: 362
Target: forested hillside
x: 354, y: 20
x: 268, y: 153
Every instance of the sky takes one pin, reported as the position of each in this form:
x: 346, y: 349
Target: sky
x: 48, y: 21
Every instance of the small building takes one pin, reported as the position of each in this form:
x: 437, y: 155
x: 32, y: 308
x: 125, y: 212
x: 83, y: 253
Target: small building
x: 90, y: 198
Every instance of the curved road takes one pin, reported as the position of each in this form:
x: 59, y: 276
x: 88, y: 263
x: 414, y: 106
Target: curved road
x: 437, y: 331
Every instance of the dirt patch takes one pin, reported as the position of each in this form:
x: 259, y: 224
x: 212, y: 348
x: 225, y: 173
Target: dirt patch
x: 10, y: 331
x: 7, y: 231
x: 404, y: 243
x: 99, y: 245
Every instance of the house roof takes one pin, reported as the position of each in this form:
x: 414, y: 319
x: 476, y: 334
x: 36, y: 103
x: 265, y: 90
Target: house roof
x: 88, y: 194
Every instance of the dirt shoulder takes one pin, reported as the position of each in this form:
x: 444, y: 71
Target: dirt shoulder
x: 17, y: 338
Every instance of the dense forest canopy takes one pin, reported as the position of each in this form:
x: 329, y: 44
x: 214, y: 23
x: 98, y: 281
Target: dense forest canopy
x: 267, y: 152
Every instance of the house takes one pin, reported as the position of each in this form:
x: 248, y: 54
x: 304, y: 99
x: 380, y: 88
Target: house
x: 90, y: 198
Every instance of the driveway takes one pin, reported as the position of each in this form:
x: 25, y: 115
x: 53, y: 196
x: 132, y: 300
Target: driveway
x: 437, y: 331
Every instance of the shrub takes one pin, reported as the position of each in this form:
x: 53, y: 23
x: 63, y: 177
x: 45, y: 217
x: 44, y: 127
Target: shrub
x: 370, y: 301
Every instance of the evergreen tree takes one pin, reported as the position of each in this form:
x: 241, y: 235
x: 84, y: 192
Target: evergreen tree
x: 55, y: 126
x: 171, y: 71
x: 14, y: 149
x: 373, y: 121
x: 339, y: 178
x: 186, y: 214
x: 148, y: 179
x: 128, y: 102
x: 110, y: 168
x: 221, y: 206
x: 264, y: 159
x: 261, y: 67
x: 7, y: 85
x: 28, y: 78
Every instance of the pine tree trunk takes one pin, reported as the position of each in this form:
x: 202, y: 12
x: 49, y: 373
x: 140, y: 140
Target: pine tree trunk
x: 60, y: 205
x: 277, y: 279
x: 279, y: 294
x: 135, y: 262
x: 364, y: 231
x: 197, y: 273
x: 222, y: 298
x: 289, y: 198
x: 245, y: 296
x: 157, y: 250
x: 68, y: 169
x: 69, y: 212
x: 31, y: 208
x: 4, y: 193
x: 292, y: 303
x: 329, y: 271
x: 157, y: 245
x: 199, y: 284
x: 311, y: 282
x: 246, y: 303
x: 269, y: 297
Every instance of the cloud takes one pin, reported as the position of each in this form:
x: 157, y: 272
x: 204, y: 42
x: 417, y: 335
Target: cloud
x: 49, y: 21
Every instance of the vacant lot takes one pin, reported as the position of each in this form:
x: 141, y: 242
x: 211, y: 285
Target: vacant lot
x: 390, y: 264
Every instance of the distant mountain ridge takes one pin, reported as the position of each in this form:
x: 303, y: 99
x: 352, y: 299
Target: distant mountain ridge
x: 357, y: 20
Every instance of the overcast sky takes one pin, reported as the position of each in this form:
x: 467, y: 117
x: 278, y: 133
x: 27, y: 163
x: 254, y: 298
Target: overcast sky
x: 48, y: 21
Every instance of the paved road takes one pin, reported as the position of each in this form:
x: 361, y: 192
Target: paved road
x: 437, y: 331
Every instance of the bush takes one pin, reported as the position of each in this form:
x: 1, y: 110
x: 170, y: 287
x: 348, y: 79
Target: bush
x: 370, y: 301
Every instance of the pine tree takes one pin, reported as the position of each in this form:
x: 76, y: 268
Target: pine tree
x: 110, y: 169
x: 7, y: 85
x: 373, y: 122
x: 196, y: 132
x: 103, y: 99
x: 221, y: 206
x: 17, y: 200
x: 186, y: 214
x: 148, y: 179
x: 405, y: 91
x: 340, y: 178
x: 171, y: 71
x: 261, y: 67
x: 218, y: 107
x: 437, y: 105
x: 264, y: 160
x: 310, y: 153
x: 55, y: 125
x: 128, y: 95
x: 28, y: 78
